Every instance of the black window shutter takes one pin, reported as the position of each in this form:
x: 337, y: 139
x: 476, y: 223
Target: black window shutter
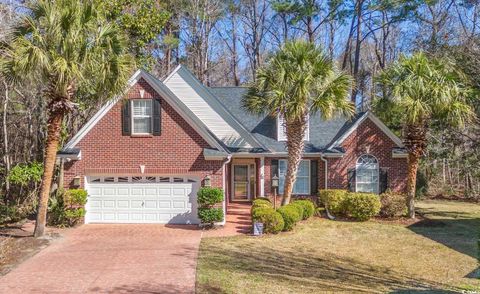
x: 274, y: 169
x: 383, y: 180
x: 351, y: 180
x: 313, y: 177
x: 157, y: 121
x: 126, y: 118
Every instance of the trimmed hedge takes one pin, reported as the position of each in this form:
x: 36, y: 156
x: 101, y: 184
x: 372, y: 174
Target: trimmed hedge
x: 291, y: 216
x: 209, y: 196
x: 272, y: 220
x: 210, y: 215
x: 299, y: 208
x: 261, y: 202
x: 393, y: 204
x: 334, y: 200
x: 362, y: 206
x: 308, y: 207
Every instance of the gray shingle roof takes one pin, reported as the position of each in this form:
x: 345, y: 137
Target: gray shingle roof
x: 264, y: 128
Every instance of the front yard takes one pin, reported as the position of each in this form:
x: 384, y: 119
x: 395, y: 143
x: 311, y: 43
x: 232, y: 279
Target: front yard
x: 437, y: 253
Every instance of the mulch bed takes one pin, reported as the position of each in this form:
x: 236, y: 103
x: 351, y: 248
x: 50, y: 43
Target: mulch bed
x: 18, y: 244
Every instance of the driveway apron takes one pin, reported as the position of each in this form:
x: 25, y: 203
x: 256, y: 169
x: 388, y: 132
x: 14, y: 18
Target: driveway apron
x: 112, y: 259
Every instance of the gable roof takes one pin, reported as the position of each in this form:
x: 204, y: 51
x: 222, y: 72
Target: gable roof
x: 207, y: 108
x: 325, y: 135
x: 166, y: 94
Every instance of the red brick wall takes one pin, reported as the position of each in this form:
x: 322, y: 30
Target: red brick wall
x: 178, y: 150
x: 366, y: 136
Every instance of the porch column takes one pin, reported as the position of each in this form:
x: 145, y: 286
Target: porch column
x: 262, y: 176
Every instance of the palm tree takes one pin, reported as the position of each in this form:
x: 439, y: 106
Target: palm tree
x: 299, y: 80
x: 425, y: 90
x: 67, y: 47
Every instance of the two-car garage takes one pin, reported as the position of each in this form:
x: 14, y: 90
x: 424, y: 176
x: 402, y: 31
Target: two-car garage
x: 142, y: 199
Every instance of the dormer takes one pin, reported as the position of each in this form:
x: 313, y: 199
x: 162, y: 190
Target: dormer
x: 282, y: 132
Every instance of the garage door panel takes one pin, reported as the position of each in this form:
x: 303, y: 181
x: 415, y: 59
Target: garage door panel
x: 136, y: 204
x: 136, y: 191
x: 110, y: 191
x: 155, y: 202
x: 123, y: 204
x: 123, y: 191
x: 151, y: 192
x: 150, y: 204
x: 108, y: 203
x: 164, y: 204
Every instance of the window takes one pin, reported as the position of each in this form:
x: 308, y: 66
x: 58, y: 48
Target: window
x: 302, y: 183
x: 282, y: 131
x: 142, y: 116
x: 367, y: 174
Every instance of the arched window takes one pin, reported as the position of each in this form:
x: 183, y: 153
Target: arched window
x: 367, y: 174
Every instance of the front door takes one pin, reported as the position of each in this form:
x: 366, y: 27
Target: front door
x: 243, y: 182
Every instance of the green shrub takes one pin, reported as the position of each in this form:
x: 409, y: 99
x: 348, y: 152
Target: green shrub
x: 362, y: 206
x: 334, y: 200
x: 12, y: 214
x: 75, y: 197
x: 209, y: 196
x: 261, y: 202
x: 393, y: 204
x: 210, y: 215
x: 308, y: 208
x: 24, y: 174
x: 272, y: 220
x: 299, y: 209
x: 290, y: 216
x: 72, y: 216
x: 66, y: 208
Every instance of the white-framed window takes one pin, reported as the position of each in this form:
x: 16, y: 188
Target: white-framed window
x: 367, y: 174
x: 282, y: 130
x: 141, y: 116
x: 302, y: 183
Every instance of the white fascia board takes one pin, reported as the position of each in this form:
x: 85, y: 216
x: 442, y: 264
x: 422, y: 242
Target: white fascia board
x: 165, y: 93
x: 225, y: 114
x: 104, y: 110
x: 285, y: 154
x: 71, y: 156
x: 399, y: 155
x: 377, y: 122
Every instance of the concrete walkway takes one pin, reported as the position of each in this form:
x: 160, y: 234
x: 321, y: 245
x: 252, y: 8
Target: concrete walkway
x: 112, y: 259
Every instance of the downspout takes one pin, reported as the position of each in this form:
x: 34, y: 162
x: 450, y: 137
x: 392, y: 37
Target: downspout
x: 226, y: 161
x: 329, y: 216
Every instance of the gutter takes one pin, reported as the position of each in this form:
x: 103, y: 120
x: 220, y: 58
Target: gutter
x: 227, y: 161
x: 329, y: 216
x: 326, y: 170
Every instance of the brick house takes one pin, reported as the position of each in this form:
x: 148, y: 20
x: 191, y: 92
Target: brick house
x: 143, y: 156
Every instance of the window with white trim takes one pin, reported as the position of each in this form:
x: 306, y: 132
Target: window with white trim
x: 302, y: 183
x: 367, y: 174
x: 142, y: 116
x: 282, y: 129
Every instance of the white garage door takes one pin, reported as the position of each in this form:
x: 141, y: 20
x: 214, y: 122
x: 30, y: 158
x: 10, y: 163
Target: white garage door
x: 151, y: 199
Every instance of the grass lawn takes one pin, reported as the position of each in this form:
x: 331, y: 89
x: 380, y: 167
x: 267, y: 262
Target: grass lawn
x: 436, y: 254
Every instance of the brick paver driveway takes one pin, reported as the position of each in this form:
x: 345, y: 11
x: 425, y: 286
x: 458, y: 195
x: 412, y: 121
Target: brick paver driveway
x: 112, y: 259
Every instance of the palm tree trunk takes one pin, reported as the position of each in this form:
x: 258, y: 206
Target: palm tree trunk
x: 411, y: 183
x: 295, y: 144
x: 415, y: 141
x: 53, y: 138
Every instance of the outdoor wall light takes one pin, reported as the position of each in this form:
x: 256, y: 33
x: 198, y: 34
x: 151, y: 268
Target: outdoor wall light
x: 275, y: 181
x: 207, y: 181
x: 76, y: 181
